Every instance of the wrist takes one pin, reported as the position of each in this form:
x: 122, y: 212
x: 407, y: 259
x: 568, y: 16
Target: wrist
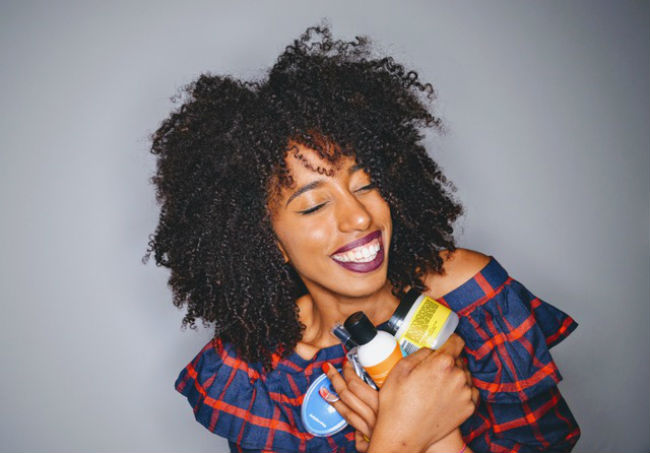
x: 388, y: 440
x: 451, y: 443
x: 389, y: 446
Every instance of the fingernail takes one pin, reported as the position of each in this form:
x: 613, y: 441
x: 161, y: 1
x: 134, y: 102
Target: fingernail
x: 325, y: 367
x: 330, y: 397
x: 323, y: 393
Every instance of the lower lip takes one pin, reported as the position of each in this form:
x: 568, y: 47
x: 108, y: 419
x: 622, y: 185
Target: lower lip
x: 365, y: 267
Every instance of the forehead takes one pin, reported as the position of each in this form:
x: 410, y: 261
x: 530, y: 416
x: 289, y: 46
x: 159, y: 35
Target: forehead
x: 304, y: 163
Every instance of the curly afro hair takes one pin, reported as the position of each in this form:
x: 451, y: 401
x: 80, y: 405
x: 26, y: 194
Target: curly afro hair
x: 221, y: 158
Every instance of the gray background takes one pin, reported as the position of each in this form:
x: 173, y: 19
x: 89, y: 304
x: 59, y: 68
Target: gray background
x: 546, y: 105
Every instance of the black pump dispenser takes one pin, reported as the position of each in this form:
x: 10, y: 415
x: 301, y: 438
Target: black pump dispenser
x: 360, y: 327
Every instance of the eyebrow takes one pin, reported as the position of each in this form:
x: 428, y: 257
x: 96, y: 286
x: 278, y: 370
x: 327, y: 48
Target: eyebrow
x: 314, y: 184
x: 303, y: 189
x: 354, y: 168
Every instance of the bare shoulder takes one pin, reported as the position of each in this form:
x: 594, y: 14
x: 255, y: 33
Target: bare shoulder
x: 458, y: 267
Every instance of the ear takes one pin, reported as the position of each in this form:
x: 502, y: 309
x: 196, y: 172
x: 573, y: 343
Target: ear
x: 283, y: 251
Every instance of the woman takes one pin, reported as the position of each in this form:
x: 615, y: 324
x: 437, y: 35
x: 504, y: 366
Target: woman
x: 292, y: 202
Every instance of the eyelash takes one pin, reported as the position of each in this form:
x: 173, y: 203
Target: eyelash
x: 366, y: 187
x: 310, y: 210
x: 317, y: 207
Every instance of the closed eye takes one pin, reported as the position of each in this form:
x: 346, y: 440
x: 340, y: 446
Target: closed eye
x: 366, y: 188
x: 310, y: 210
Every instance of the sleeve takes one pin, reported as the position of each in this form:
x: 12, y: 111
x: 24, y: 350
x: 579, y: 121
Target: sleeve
x: 543, y: 423
x: 508, y: 334
x: 508, y: 337
x: 229, y: 397
x: 236, y: 448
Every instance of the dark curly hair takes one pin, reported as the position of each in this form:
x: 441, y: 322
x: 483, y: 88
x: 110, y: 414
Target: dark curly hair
x: 221, y: 158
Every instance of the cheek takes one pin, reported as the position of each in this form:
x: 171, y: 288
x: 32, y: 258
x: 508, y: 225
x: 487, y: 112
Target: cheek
x: 380, y: 209
x: 312, y: 236
x: 302, y: 241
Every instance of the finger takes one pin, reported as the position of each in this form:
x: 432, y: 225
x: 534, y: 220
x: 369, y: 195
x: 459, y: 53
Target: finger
x: 475, y: 396
x: 460, y: 363
x: 338, y: 383
x: 409, y: 362
x: 352, y: 402
x: 470, y: 381
x: 361, y: 441
x: 351, y: 417
x: 453, y: 346
x: 362, y: 390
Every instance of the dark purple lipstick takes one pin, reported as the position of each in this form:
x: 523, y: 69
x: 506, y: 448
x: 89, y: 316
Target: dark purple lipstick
x: 362, y: 267
x: 359, y: 242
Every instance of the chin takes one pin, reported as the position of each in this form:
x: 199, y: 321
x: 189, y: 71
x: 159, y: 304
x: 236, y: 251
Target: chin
x: 360, y: 288
x: 346, y: 283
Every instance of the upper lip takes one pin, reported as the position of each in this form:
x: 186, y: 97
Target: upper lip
x: 359, y: 242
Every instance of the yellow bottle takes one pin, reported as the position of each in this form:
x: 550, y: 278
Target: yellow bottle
x: 421, y: 322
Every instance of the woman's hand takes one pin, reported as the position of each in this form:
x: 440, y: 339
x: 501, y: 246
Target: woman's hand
x: 425, y: 397
x: 358, y: 403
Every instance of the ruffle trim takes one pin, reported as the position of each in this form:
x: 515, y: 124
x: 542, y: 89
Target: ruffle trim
x: 508, y: 332
x: 237, y: 400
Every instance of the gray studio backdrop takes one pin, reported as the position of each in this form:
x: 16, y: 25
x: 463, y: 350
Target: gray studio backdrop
x: 546, y: 106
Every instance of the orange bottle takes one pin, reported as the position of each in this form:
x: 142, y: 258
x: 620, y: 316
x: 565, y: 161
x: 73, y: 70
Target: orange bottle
x: 378, y: 351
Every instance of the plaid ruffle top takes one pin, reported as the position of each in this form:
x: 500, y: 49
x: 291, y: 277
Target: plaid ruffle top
x: 507, y: 330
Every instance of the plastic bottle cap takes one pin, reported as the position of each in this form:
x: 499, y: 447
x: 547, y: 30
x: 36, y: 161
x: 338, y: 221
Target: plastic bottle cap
x: 360, y: 327
x: 401, y: 311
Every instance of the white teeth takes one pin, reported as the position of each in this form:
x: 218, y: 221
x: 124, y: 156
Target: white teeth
x: 363, y: 254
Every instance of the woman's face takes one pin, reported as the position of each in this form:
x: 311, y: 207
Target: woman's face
x: 334, y: 230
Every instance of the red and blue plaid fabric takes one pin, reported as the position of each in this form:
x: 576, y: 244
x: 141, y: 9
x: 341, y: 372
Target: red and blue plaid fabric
x: 507, y: 331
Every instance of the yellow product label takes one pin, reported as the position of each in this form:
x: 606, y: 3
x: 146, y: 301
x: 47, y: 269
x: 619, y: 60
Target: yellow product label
x: 426, y: 323
x: 379, y: 372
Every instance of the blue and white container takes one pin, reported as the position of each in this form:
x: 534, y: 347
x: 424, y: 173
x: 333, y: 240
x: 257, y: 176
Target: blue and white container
x: 318, y: 416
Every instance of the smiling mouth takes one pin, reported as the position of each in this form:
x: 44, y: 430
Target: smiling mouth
x: 363, y: 255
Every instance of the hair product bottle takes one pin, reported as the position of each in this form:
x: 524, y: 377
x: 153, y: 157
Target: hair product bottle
x: 378, y: 351
x: 419, y: 321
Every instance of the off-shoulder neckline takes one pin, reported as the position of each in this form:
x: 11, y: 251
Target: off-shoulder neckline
x: 491, y: 271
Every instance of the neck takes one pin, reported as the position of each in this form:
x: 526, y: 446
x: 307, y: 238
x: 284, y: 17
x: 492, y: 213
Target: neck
x: 323, y: 309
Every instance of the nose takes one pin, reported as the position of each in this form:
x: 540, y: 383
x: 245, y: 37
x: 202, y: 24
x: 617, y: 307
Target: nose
x: 352, y: 214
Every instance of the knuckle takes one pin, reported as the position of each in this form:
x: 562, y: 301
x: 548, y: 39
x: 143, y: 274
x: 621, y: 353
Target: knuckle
x: 349, y: 375
x: 338, y: 385
x: 345, y: 394
x: 356, y: 387
x: 401, y: 367
x: 332, y: 374
x: 445, y: 361
x: 459, y: 375
x: 331, y: 371
x: 343, y: 410
x: 459, y: 340
x: 471, y: 408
